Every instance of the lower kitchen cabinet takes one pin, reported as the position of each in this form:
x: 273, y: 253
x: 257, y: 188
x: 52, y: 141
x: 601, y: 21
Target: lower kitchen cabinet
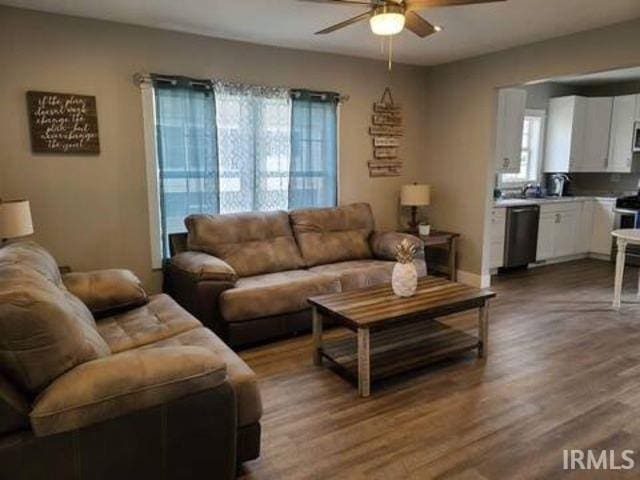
x: 603, y: 218
x: 546, y: 235
x: 498, y: 219
x: 558, y: 230
x: 565, y: 230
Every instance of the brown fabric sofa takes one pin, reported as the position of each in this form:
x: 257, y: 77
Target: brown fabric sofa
x: 248, y: 276
x: 99, y: 380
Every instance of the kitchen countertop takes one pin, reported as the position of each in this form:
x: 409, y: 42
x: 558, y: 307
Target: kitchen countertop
x: 516, y: 202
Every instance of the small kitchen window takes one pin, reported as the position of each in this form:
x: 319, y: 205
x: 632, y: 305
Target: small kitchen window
x: 532, y: 152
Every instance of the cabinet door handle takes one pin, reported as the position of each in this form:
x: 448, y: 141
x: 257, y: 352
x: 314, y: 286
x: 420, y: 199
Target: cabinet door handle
x: 557, y: 218
x: 628, y: 161
x: 606, y: 162
x: 506, y: 162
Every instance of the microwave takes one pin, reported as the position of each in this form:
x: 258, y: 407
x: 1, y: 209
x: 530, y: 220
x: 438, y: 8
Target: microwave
x: 636, y: 137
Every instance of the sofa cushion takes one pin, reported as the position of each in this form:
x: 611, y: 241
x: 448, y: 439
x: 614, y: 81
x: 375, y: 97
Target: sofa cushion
x: 31, y: 255
x: 44, y: 330
x: 252, y: 243
x: 106, y: 291
x: 122, y: 383
x: 239, y: 375
x: 274, y: 294
x: 328, y: 235
x: 363, y: 273
x: 161, y: 318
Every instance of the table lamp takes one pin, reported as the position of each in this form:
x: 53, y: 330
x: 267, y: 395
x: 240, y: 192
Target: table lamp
x: 15, y: 219
x: 415, y: 196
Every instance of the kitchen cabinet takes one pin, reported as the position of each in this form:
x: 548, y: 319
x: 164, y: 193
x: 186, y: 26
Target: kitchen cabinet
x: 557, y: 230
x: 497, y: 233
x: 585, y: 226
x: 603, y: 218
x: 565, y: 133
x: 597, y: 127
x: 511, y: 108
x: 621, y: 135
x: 591, y: 134
x: 565, y: 232
x: 546, y: 235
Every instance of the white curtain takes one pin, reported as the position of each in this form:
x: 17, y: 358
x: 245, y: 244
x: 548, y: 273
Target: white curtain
x: 254, y: 146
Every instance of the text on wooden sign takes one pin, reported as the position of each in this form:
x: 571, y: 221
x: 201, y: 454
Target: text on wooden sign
x: 63, y: 123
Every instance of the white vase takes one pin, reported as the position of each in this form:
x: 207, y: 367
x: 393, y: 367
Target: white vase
x: 404, y: 279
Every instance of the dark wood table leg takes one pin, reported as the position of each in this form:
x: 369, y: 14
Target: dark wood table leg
x: 453, y: 271
x: 317, y: 336
x: 483, y: 330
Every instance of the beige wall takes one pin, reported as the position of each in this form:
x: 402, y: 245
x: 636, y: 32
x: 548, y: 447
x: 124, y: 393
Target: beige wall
x: 91, y: 211
x: 459, y: 125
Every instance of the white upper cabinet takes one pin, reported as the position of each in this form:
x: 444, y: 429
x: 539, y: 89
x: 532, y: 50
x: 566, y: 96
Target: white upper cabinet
x: 565, y: 133
x: 511, y: 108
x: 597, y: 126
x: 621, y: 144
x: 593, y: 134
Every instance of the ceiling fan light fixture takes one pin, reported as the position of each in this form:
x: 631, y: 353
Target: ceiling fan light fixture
x: 387, y: 20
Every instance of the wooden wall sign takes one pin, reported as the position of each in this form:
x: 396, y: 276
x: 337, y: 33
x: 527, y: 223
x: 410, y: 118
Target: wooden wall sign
x: 63, y: 123
x: 385, y: 129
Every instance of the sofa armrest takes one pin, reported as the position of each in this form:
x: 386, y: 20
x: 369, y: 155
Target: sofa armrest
x: 106, y: 292
x: 123, y: 383
x: 383, y: 244
x: 203, y: 266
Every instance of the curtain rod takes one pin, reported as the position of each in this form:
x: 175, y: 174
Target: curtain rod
x: 146, y: 79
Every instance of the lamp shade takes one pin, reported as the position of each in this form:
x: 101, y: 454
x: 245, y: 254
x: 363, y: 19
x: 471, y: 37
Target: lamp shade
x: 15, y: 219
x: 415, y: 195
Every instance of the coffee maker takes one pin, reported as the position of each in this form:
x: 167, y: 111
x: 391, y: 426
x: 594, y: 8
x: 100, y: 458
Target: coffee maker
x: 558, y: 183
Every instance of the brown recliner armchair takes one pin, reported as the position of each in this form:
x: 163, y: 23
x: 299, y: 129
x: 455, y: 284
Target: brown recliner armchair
x: 98, y: 380
x: 248, y: 276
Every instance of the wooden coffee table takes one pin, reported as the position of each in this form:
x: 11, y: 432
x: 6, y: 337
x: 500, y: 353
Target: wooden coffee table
x: 397, y: 334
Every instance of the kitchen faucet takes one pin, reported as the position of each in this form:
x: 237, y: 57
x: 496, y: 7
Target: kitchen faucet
x: 528, y: 187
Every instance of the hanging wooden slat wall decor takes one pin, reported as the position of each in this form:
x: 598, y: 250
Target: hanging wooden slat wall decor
x: 385, y: 129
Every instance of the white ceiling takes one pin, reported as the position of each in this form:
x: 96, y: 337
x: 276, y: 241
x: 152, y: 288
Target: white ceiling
x: 468, y: 30
x: 611, y: 76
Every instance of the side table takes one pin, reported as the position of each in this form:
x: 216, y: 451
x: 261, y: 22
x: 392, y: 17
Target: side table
x: 437, y: 242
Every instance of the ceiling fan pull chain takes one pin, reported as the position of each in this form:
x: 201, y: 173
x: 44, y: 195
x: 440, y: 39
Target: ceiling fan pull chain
x: 390, y: 50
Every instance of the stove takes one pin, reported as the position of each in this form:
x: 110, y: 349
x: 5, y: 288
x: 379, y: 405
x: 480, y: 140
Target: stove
x: 629, y: 203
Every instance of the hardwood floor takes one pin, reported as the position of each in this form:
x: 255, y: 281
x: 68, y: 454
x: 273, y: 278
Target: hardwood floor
x: 563, y: 373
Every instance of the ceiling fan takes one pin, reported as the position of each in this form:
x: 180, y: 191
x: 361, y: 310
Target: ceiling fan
x: 390, y: 17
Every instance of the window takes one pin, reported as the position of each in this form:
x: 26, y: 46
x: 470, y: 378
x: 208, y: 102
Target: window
x: 215, y: 147
x: 531, y: 160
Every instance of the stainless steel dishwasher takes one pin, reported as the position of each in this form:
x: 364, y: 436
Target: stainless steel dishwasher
x: 521, y: 236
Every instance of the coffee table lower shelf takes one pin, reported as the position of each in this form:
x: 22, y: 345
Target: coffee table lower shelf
x: 399, y: 349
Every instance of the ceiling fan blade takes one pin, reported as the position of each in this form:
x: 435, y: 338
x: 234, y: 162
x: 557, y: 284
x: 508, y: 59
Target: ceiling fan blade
x: 415, y: 4
x: 340, y: 2
x: 418, y: 25
x: 346, y: 23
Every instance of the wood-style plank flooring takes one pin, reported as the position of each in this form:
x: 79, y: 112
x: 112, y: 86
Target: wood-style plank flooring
x: 563, y: 373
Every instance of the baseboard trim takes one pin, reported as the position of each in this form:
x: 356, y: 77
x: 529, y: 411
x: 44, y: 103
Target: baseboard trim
x: 551, y: 261
x: 473, y: 279
x: 569, y: 258
x: 600, y: 256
